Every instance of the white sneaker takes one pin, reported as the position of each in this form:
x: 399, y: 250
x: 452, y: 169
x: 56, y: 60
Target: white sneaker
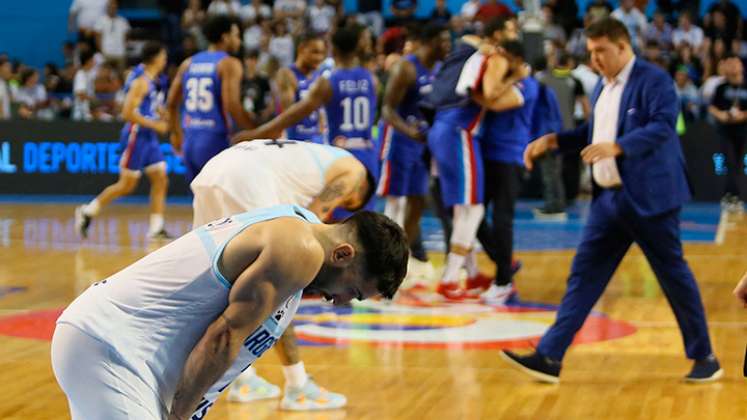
x: 250, y: 387
x: 497, y: 295
x: 311, y: 397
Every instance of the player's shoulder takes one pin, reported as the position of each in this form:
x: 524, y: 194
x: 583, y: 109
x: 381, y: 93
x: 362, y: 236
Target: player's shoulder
x: 293, y: 239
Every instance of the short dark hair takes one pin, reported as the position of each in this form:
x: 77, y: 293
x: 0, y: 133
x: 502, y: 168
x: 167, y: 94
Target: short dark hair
x: 494, y: 25
x: 608, y: 27
x: 86, y: 55
x: 514, y: 48
x: 308, y: 37
x: 150, y: 51
x: 216, y: 26
x: 385, y: 249
x: 345, y: 39
x: 26, y: 74
x: 430, y: 31
x: 253, y: 53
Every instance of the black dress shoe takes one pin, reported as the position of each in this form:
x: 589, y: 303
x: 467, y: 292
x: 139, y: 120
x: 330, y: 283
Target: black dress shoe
x: 536, y: 365
x: 705, y: 370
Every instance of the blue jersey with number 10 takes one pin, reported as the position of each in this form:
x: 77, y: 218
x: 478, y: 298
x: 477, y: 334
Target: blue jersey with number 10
x: 351, y: 111
x: 201, y: 90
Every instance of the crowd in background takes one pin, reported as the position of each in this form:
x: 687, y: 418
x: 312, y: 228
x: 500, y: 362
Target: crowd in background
x: 698, y: 53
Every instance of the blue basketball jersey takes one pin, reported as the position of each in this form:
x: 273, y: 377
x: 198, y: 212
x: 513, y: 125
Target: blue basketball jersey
x: 351, y: 111
x: 201, y: 88
x: 153, y: 99
x: 408, y: 109
x: 308, y: 128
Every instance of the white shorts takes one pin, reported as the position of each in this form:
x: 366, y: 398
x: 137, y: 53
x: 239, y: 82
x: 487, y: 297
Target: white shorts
x: 97, y: 385
x: 212, y: 203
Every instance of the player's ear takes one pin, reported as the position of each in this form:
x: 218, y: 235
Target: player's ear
x: 343, y: 255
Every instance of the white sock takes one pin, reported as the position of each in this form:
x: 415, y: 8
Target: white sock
x: 92, y: 208
x: 295, y: 375
x: 156, y: 223
x: 454, y: 263
x: 471, y: 264
x: 395, y: 209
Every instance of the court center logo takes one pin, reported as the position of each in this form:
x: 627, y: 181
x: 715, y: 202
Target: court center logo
x: 416, y: 323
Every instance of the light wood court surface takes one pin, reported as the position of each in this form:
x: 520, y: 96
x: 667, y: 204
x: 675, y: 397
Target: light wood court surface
x: 43, y: 266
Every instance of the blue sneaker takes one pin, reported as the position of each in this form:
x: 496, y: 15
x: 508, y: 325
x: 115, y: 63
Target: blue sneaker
x: 535, y: 365
x: 705, y: 370
x: 311, y: 397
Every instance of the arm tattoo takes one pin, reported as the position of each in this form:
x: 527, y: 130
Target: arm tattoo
x: 332, y: 191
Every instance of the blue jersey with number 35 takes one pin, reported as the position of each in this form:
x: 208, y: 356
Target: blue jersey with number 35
x: 201, y: 92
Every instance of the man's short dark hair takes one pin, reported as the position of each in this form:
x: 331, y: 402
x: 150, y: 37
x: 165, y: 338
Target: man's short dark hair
x: 86, y: 55
x: 345, y: 39
x: 385, y: 249
x: 493, y: 26
x: 216, y: 26
x: 514, y: 48
x: 150, y: 50
x: 430, y: 31
x: 253, y: 54
x: 608, y: 27
x: 307, y: 38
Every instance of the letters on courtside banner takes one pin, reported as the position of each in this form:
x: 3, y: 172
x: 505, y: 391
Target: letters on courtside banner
x: 67, y: 157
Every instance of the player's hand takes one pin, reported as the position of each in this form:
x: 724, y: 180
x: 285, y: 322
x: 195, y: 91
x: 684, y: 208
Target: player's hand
x: 417, y: 134
x: 539, y: 147
x: 741, y: 290
x: 161, y: 127
x: 596, y: 152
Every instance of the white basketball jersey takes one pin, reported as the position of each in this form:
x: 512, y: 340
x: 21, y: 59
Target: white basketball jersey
x: 268, y: 172
x: 154, y: 312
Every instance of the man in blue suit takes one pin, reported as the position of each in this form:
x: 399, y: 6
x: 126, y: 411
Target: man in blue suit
x: 640, y: 185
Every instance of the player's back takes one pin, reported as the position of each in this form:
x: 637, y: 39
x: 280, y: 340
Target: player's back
x: 150, y: 103
x: 409, y: 109
x: 153, y: 312
x: 274, y: 171
x: 350, y: 114
x: 201, y: 89
x: 308, y: 128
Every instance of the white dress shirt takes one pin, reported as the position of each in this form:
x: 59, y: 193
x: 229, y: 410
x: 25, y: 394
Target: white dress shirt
x: 606, y: 114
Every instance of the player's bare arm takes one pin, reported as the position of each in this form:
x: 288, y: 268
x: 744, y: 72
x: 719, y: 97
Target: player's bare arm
x: 319, y: 94
x: 286, y: 83
x: 401, y: 77
x: 346, y: 183
x: 268, y: 263
x: 497, y: 92
x: 130, y: 112
x: 173, y: 102
x: 231, y: 72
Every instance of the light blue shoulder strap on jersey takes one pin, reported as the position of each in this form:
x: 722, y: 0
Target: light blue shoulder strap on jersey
x: 245, y: 220
x: 324, y: 162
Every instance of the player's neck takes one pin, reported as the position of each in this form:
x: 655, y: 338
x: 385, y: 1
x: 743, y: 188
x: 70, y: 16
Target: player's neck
x: 217, y: 47
x: 328, y: 236
x: 346, y: 62
x: 425, y: 57
x: 151, y: 72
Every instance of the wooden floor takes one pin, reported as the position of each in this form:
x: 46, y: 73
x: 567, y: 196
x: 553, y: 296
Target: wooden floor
x: 43, y: 266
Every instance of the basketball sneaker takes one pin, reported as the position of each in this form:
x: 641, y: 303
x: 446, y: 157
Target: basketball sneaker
x: 497, y: 295
x: 161, y: 234
x: 82, y: 222
x: 250, y: 387
x: 452, y: 292
x: 535, y: 365
x: 478, y: 284
x: 705, y: 370
x: 311, y: 396
x: 419, y: 276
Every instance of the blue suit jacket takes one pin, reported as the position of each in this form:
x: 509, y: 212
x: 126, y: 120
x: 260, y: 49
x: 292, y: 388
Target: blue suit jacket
x: 652, y: 166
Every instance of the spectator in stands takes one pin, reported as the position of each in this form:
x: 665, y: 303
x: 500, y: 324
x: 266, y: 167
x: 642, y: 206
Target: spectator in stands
x: 565, y: 12
x: 634, y: 21
x: 713, y: 81
x: 68, y: 52
x: 716, y: 53
x: 255, y: 87
x: 654, y: 54
x: 224, y: 7
x: 320, y: 17
x: 254, y: 9
x: 685, y: 57
x: 599, y: 9
x: 687, y: 93
x: 577, y: 42
x: 289, y: 9
x: 717, y: 28
x: 32, y: 97
x: 192, y: 20
x: 492, y: 9
x: 659, y: 31
x: 252, y: 37
x: 6, y: 71
x: 729, y: 108
x: 686, y: 32
x: 369, y: 14
x: 281, y: 43
x: 730, y: 13
x: 403, y: 11
x: 586, y: 75
x: 552, y: 31
x: 83, y: 87
x: 111, y: 36
x: 441, y: 15
x: 469, y: 9
x: 83, y: 17
x: 107, y: 84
